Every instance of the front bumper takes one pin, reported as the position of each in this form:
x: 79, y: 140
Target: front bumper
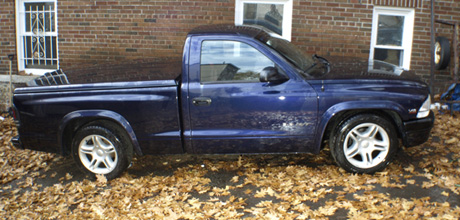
x: 417, y: 132
x: 17, y: 142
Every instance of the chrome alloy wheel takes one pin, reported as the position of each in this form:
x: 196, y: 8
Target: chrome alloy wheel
x: 366, y: 145
x: 98, y: 154
x: 437, y: 54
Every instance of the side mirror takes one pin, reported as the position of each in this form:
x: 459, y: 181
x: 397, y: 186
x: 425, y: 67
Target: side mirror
x: 271, y: 75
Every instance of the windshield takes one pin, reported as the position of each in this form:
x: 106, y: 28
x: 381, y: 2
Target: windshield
x: 291, y: 52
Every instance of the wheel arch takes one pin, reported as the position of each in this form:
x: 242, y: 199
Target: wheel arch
x: 336, y: 115
x: 78, y: 119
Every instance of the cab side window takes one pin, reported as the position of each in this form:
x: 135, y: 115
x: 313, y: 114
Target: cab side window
x: 231, y: 61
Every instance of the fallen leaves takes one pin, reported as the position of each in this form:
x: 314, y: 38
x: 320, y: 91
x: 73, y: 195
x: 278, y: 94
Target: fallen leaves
x: 252, y: 187
x: 15, y: 163
x: 452, y: 141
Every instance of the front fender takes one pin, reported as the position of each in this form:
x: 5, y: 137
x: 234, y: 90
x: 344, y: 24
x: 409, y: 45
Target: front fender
x: 354, y: 106
x: 91, y: 115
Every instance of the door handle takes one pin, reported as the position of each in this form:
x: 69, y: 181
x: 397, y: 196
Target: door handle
x: 201, y: 101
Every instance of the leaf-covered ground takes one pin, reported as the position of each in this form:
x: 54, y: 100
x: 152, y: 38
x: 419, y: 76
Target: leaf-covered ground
x: 423, y: 182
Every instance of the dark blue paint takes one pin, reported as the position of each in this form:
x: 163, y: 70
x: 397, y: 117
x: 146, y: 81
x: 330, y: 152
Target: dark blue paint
x: 252, y: 117
x: 99, y: 114
x: 148, y: 110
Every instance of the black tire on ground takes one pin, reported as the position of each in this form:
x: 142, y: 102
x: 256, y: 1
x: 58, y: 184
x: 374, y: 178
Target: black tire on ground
x: 102, y: 148
x: 364, y: 143
x: 442, y: 53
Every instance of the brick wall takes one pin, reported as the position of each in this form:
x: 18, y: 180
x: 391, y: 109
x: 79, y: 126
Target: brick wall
x: 343, y: 28
x: 162, y: 68
x: 7, y: 35
x: 95, y: 36
x: 445, y: 10
x: 333, y: 28
x: 95, y: 32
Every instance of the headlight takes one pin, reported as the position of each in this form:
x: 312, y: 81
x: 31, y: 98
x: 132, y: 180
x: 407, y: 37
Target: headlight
x: 425, y: 109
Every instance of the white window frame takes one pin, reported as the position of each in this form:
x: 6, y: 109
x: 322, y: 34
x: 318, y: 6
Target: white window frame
x: 287, y: 13
x: 21, y: 32
x: 408, y: 32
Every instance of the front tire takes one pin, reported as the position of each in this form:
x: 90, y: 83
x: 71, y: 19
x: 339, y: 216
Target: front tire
x: 364, y: 143
x: 101, y: 149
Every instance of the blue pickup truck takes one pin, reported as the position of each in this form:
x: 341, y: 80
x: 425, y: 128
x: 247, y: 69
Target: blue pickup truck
x: 241, y: 90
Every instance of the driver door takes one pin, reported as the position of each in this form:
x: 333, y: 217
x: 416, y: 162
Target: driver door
x: 231, y: 111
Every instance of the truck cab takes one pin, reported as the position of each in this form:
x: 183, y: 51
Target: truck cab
x: 229, y: 108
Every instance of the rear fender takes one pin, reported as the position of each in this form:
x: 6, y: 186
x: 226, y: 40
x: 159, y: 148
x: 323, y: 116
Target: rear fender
x: 339, y: 108
x: 85, y: 116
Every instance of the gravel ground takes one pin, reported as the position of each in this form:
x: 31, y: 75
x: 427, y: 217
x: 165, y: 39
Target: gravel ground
x: 422, y: 182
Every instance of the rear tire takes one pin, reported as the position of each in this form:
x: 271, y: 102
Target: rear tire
x: 102, y: 149
x: 364, y: 143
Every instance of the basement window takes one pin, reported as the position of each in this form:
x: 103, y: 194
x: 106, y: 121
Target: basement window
x: 392, y: 33
x: 274, y: 15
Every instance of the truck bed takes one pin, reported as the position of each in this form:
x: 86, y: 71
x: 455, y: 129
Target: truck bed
x: 150, y: 108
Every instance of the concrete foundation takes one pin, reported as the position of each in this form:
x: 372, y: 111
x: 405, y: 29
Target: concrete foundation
x: 5, y: 91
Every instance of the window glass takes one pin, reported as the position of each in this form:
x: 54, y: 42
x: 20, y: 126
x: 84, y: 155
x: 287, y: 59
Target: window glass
x: 390, y: 33
x: 267, y: 15
x: 273, y: 15
x: 390, y: 30
x: 389, y: 56
x: 39, y: 17
x: 231, y: 61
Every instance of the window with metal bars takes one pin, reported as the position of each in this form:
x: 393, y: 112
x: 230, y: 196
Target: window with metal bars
x: 37, y: 36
